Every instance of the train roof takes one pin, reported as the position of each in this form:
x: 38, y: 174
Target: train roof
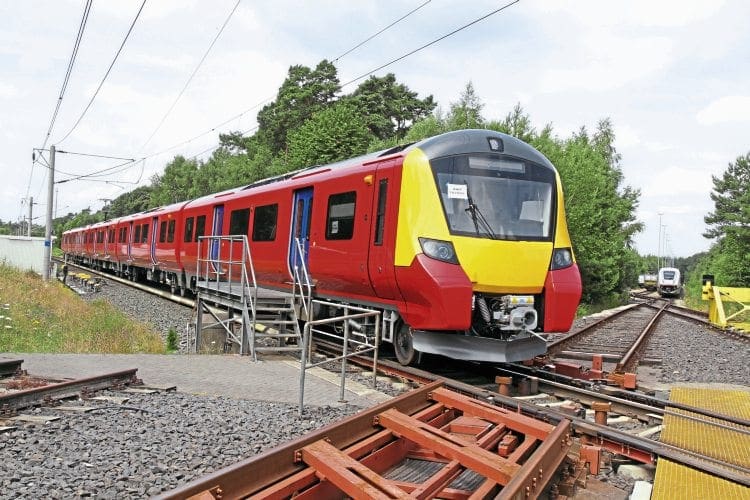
x: 449, y: 143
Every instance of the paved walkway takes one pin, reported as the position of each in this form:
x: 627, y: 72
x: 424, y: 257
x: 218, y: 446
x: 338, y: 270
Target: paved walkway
x: 273, y: 378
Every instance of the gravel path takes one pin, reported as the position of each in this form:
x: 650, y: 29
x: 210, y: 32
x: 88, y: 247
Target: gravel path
x: 151, y: 444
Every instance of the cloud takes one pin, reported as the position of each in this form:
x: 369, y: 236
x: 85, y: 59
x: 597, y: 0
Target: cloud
x: 608, y: 62
x: 734, y: 108
x: 7, y: 91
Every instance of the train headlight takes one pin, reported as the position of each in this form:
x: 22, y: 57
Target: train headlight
x: 439, y: 250
x: 561, y: 258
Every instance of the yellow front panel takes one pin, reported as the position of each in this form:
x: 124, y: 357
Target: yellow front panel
x: 504, y: 266
x: 493, y: 266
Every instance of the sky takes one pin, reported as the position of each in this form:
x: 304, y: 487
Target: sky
x: 672, y: 76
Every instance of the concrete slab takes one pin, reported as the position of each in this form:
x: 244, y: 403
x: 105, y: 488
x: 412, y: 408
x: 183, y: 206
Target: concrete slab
x: 272, y: 378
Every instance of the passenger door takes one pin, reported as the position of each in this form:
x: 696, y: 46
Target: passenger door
x: 216, y: 230
x: 154, y: 236
x: 300, y: 229
x: 383, y: 231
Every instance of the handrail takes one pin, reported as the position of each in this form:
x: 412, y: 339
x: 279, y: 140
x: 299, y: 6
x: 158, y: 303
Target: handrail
x: 305, y: 298
x: 350, y: 313
x: 213, y: 269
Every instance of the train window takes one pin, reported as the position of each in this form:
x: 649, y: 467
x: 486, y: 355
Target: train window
x: 188, y: 229
x: 238, y: 221
x: 264, y: 222
x: 163, y: 232
x: 380, y: 217
x: 170, y: 232
x: 340, y: 221
x: 111, y: 235
x: 137, y: 238
x: 200, y: 226
x: 144, y: 234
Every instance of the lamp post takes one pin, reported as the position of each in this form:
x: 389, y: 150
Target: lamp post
x: 658, y: 245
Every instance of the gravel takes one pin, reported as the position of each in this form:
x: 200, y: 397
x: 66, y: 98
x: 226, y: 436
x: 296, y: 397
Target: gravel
x: 162, y: 314
x: 151, y: 444
x: 696, y: 354
x: 129, y: 454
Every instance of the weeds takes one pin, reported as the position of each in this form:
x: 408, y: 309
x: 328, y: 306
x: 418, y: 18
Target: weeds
x: 40, y: 316
x: 172, y: 340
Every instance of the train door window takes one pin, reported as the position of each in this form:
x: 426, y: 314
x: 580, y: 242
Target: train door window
x: 380, y: 216
x: 144, y: 233
x: 238, y: 221
x: 111, y: 235
x: 300, y: 211
x: 170, y: 231
x: 200, y: 226
x: 340, y: 220
x: 137, y: 238
x: 264, y: 222
x: 163, y: 232
x: 189, y: 229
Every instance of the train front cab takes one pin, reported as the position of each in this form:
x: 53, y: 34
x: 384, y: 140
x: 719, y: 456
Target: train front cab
x: 492, y: 265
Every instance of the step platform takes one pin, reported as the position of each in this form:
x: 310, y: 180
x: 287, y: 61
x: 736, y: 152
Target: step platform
x: 729, y: 443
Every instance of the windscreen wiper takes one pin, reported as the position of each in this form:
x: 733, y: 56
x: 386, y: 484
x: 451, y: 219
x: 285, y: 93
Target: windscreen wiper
x: 477, y: 217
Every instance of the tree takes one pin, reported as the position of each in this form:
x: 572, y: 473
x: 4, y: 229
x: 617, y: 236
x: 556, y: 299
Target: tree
x: 601, y: 212
x: 518, y: 124
x: 176, y: 183
x: 467, y: 112
x: 131, y: 202
x: 333, y: 134
x: 729, y: 223
x: 389, y: 108
x: 303, y: 93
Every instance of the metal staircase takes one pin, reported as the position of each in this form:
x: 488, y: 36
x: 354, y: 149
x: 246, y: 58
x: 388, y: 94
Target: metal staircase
x: 257, y: 319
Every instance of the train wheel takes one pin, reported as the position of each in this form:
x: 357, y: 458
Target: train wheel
x: 403, y: 345
x: 173, y: 286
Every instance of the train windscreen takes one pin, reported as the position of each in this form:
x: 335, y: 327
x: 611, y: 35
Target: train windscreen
x: 497, y: 197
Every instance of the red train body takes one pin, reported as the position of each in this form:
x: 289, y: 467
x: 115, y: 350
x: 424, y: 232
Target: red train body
x: 461, y: 237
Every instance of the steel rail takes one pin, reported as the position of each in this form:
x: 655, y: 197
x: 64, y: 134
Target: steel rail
x: 624, y: 397
x: 10, y: 367
x: 642, y: 449
x: 560, y: 344
x: 629, y: 358
x: 14, y: 401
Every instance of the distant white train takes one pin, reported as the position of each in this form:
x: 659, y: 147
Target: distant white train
x: 668, y: 282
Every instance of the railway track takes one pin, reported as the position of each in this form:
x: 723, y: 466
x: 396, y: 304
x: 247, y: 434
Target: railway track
x: 13, y: 401
x: 286, y: 471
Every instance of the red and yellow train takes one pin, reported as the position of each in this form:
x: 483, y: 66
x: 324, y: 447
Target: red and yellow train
x: 460, y: 239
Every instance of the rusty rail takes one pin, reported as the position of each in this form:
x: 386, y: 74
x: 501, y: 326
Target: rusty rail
x: 14, y: 401
x: 638, y: 448
x: 429, y: 442
x: 9, y: 367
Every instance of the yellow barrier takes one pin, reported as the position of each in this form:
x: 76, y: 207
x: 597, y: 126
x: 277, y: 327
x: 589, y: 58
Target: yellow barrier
x: 737, y: 300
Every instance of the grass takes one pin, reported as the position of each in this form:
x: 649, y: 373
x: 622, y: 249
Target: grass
x: 38, y: 316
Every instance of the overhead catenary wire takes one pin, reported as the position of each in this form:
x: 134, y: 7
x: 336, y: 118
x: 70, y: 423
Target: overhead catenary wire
x: 114, y: 60
x: 381, y: 31
x: 71, y: 62
x: 267, y: 99
x: 433, y: 42
x: 192, y: 75
x: 410, y: 53
x: 63, y: 87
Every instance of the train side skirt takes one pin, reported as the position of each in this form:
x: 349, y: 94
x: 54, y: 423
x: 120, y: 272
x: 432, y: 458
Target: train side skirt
x: 475, y: 348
